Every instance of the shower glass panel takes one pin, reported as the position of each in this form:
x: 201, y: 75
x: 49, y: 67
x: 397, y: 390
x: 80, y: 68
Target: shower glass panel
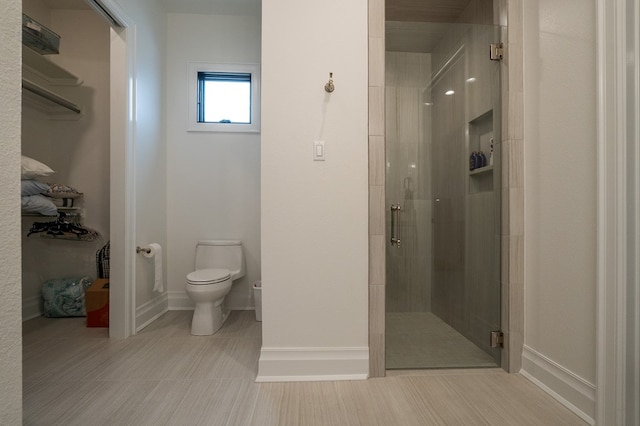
x: 442, y: 195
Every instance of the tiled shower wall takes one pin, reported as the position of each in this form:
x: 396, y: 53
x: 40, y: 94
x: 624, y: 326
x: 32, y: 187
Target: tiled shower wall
x: 510, y: 11
x: 512, y: 274
x: 408, y: 181
x: 466, y: 227
x: 376, y: 189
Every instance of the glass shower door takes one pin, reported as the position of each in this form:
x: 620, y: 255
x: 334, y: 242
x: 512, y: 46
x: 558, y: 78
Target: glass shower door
x: 443, y: 199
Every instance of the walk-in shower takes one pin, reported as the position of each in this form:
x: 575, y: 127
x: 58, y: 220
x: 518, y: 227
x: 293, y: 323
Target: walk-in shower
x: 443, y: 187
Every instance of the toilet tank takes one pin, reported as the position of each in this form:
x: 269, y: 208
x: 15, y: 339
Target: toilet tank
x: 223, y: 254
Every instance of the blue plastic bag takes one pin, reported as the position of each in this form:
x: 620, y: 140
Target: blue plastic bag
x: 64, y: 297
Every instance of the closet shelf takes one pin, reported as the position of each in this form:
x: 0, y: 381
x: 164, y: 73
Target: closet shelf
x: 66, y: 226
x: 50, y: 96
x: 69, y: 211
x: 47, y: 70
x: 70, y: 236
x: 47, y: 84
x: 37, y: 215
x: 38, y: 37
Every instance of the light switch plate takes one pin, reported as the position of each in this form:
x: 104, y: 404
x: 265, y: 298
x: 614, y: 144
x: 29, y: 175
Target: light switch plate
x: 318, y: 151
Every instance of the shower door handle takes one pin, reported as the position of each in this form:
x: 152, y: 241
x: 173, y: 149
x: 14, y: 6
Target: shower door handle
x: 395, y: 223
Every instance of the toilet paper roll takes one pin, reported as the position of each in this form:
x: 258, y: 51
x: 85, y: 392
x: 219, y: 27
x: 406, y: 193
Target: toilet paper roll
x: 154, y: 250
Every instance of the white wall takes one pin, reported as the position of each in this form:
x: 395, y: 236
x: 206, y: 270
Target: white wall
x: 10, y: 302
x: 83, y: 146
x: 76, y: 147
x: 314, y: 214
x: 38, y: 10
x: 149, y: 148
x: 213, y: 179
x: 561, y: 194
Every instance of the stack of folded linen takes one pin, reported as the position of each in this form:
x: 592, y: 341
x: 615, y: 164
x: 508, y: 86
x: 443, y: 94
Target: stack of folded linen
x: 40, y: 197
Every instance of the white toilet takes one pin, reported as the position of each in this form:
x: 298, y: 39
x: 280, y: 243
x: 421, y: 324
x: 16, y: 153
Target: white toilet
x: 218, y: 263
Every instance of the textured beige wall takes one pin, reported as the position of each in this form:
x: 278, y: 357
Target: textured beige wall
x: 10, y: 302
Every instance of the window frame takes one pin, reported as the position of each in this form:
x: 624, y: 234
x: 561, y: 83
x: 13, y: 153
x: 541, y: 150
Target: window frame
x: 194, y: 126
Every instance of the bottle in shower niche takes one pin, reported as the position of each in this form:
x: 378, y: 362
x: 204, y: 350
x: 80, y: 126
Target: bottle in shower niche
x: 482, y: 161
x: 473, y: 160
x: 491, y: 151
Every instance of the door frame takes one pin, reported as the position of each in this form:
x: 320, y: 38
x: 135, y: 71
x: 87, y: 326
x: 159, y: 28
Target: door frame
x: 122, y: 171
x: 618, y: 253
x: 512, y: 258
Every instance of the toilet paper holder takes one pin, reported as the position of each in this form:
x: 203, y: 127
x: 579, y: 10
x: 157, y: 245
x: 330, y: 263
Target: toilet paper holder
x: 143, y: 249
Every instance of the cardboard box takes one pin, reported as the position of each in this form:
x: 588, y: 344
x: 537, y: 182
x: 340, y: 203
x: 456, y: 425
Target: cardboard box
x: 97, y: 303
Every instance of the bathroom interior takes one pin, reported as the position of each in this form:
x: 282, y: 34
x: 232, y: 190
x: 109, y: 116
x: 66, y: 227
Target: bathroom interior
x: 443, y: 278
x: 76, y: 143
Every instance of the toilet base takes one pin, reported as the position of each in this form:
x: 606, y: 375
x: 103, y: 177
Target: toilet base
x: 207, y: 318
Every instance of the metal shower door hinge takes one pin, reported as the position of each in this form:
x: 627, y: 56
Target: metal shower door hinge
x: 497, y: 339
x: 496, y: 52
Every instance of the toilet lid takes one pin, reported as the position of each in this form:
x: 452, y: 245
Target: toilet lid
x: 208, y: 276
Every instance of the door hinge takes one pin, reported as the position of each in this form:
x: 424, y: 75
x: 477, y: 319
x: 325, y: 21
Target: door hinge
x: 497, y: 339
x: 496, y: 52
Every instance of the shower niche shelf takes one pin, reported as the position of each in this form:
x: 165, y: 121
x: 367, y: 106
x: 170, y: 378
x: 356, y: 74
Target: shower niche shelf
x: 481, y: 170
x: 480, y: 131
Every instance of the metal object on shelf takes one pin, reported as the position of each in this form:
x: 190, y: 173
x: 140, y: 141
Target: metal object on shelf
x: 38, y: 37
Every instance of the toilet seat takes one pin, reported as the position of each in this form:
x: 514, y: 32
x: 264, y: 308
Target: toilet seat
x: 208, y: 276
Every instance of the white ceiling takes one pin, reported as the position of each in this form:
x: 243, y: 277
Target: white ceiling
x: 220, y: 7
x: 66, y: 4
x: 396, y: 10
x: 400, y: 36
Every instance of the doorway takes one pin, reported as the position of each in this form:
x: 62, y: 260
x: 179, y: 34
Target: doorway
x: 508, y: 14
x: 443, y: 196
x: 65, y: 125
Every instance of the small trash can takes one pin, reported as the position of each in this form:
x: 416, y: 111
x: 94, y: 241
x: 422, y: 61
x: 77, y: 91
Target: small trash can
x: 257, y: 298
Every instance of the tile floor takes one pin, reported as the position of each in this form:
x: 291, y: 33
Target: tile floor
x: 422, y: 340
x: 163, y: 376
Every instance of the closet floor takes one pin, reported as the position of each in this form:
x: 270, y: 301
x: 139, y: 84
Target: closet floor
x: 75, y: 375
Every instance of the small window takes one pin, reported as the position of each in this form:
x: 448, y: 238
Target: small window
x: 224, y: 98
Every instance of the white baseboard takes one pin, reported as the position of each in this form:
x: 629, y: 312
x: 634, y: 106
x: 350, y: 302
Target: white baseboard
x: 150, y: 311
x: 180, y: 301
x: 572, y: 391
x: 313, y: 364
x: 176, y: 301
x: 31, y: 308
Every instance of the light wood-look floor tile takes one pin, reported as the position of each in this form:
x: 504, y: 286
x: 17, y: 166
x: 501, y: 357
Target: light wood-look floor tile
x: 164, y: 376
